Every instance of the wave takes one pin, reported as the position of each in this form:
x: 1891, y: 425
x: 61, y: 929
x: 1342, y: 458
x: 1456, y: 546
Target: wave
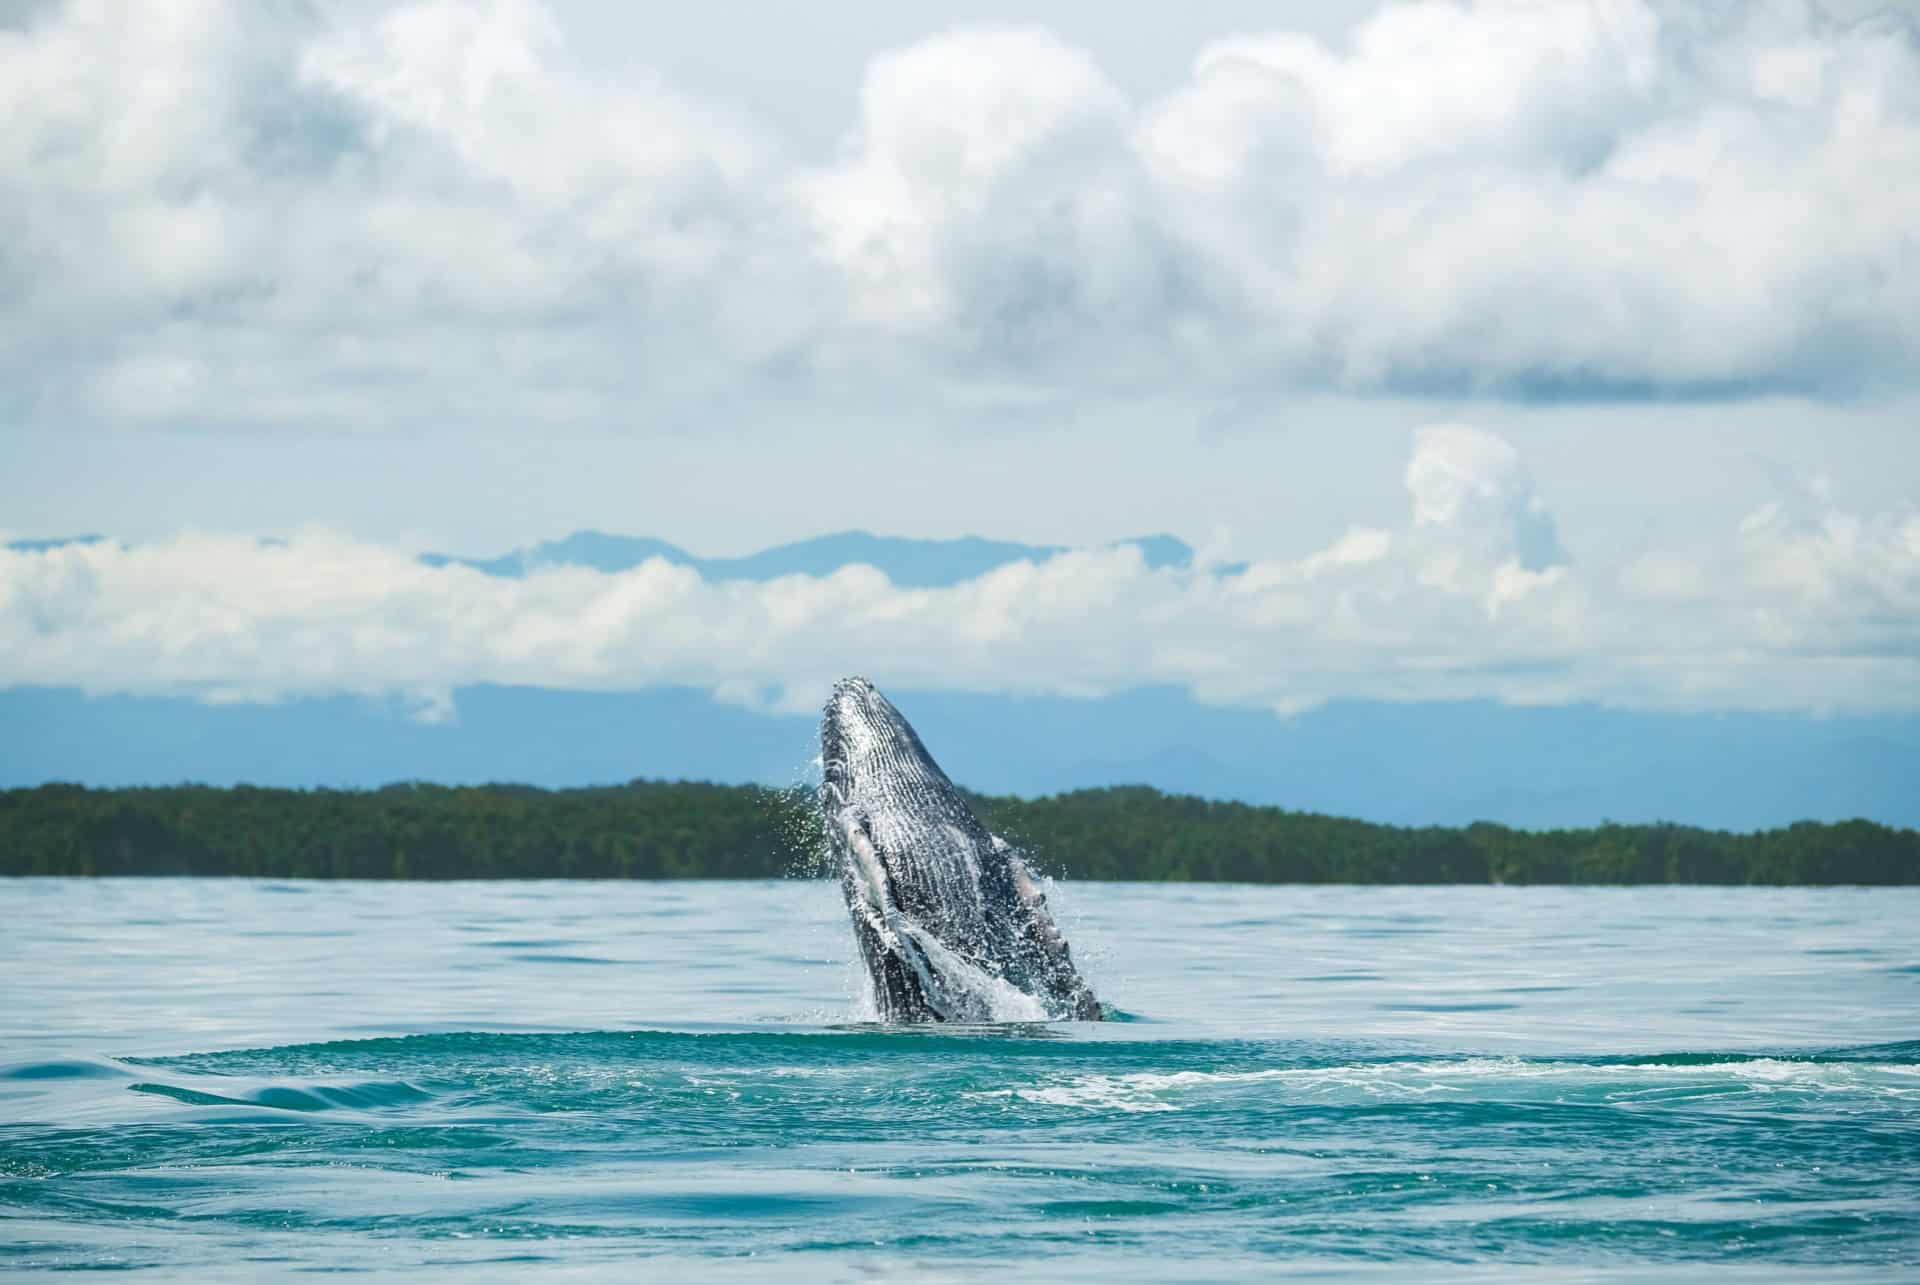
x: 874, y: 1068
x: 367, y: 1096
x: 803, y: 1140
x: 1503, y: 1079
x: 1009, y: 1038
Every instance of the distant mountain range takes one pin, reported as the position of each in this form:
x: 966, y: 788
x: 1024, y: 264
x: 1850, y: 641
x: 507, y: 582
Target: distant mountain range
x: 1436, y: 763
x: 58, y: 542
x: 909, y: 563
x: 912, y: 564
x: 1443, y: 762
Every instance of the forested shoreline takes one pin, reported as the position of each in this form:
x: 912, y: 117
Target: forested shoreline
x: 685, y: 830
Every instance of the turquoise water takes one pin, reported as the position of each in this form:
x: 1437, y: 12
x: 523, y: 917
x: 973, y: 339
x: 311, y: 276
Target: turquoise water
x: 241, y: 1079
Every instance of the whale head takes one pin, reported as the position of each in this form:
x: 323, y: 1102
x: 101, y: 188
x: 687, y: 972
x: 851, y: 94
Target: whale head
x: 869, y: 750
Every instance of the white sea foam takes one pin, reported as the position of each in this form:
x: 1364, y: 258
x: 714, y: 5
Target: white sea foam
x: 1626, y: 1083
x: 1002, y: 1001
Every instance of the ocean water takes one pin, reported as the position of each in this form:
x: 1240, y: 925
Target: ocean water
x: 232, y: 1079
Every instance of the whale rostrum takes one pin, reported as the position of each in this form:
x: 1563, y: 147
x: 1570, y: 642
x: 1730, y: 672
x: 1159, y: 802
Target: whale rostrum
x: 951, y: 922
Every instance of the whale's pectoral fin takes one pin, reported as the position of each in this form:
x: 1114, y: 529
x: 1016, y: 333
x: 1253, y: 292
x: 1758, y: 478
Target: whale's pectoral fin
x: 1044, y: 938
x: 868, y: 887
x: 906, y: 985
x: 1033, y: 901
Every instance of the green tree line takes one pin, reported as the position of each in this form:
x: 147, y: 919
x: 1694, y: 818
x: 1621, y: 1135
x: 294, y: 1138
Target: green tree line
x: 678, y: 830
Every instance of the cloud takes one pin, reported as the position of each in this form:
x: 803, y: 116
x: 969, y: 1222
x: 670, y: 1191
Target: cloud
x: 971, y: 146
x: 232, y: 215
x: 1802, y: 608
x: 1472, y: 487
x: 1563, y: 197
x: 1824, y: 600
x: 240, y: 215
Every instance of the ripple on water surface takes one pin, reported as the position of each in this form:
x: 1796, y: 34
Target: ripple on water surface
x: 1476, y: 1093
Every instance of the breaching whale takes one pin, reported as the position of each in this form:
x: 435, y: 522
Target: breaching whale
x: 947, y: 915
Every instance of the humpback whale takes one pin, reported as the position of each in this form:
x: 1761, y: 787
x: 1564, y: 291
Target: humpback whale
x: 947, y: 915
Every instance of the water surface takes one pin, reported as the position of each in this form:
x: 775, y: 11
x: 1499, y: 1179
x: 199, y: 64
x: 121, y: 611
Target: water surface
x: 215, y: 1077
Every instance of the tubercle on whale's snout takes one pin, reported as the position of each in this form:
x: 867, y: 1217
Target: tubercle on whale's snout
x: 849, y: 695
x: 861, y: 735
x: 846, y: 704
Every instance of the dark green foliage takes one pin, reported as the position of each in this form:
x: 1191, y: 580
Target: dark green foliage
x: 1138, y: 833
x: 659, y: 830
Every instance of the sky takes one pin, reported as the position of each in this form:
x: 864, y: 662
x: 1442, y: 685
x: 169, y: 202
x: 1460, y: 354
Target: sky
x: 1534, y: 353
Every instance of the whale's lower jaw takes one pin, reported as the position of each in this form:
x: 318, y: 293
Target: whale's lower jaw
x: 950, y: 922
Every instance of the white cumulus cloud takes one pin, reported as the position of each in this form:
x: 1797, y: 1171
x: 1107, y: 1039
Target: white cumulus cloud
x: 1806, y: 607
x: 242, y: 215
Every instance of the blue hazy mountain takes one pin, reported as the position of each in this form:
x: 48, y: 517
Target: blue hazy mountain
x: 913, y: 564
x: 1412, y: 763
x: 57, y: 542
x: 1419, y: 764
